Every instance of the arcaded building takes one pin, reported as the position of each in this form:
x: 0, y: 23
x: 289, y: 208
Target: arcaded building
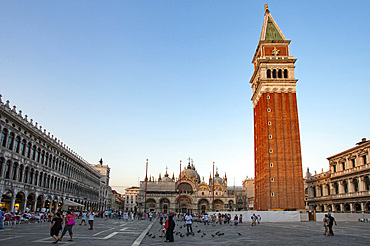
x: 188, y: 194
x: 277, y: 148
x: 346, y: 186
x: 38, y: 171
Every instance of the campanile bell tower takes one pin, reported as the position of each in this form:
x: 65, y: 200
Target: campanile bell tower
x: 278, y: 163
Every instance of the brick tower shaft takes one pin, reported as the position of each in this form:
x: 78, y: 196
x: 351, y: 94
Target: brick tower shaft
x: 278, y: 163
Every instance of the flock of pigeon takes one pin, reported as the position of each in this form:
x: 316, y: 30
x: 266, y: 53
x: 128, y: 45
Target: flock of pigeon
x: 202, y: 234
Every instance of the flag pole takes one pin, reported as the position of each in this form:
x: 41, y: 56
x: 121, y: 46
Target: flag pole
x: 146, y: 183
x: 180, y: 188
x: 213, y: 187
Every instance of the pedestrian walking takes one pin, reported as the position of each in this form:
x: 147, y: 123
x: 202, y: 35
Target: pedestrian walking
x: 206, y: 219
x: 189, y: 222
x: 259, y: 219
x: 330, y: 224
x: 219, y: 219
x: 214, y: 219
x: 69, y: 222
x: 56, y: 226
x: 162, y: 229
x: 236, y: 220
x: 241, y: 218
x: 91, y: 215
x: 326, y: 224
x: 83, y: 218
x: 253, y: 218
x: 169, y: 230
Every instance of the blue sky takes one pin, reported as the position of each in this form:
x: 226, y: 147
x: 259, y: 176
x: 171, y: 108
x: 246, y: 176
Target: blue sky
x: 165, y: 80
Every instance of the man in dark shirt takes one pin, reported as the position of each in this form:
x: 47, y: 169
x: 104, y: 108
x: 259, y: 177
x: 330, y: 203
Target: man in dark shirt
x: 330, y: 225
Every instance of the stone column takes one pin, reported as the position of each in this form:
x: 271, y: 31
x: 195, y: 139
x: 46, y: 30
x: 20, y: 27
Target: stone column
x: 341, y: 207
x: 12, y: 203
x: 351, y: 187
x: 361, y: 183
x: 34, y: 204
x: 363, y: 206
x: 352, y: 207
x: 341, y: 187
x: 326, y: 208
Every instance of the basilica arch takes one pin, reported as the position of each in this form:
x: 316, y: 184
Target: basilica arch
x: 203, y: 206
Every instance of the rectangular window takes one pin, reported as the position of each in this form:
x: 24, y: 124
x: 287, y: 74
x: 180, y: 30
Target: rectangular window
x: 335, y: 168
x: 364, y: 159
x: 353, y: 162
x: 343, y: 166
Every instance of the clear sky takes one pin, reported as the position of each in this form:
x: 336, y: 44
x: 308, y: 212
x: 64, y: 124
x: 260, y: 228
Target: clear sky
x: 165, y: 80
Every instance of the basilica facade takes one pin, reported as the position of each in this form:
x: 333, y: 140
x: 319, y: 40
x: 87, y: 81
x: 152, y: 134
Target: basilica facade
x: 39, y: 172
x: 186, y: 194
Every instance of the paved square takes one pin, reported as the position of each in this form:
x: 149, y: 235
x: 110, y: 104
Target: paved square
x: 117, y: 232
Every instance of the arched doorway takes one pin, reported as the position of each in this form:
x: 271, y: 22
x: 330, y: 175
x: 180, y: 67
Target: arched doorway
x: 39, y: 203
x: 219, y: 205
x: 150, y: 205
x: 231, y: 205
x: 185, y: 204
x: 20, y: 201
x: 203, y: 206
x: 357, y: 207
x: 6, y: 200
x: 31, y: 199
x: 54, y: 204
x: 164, y: 205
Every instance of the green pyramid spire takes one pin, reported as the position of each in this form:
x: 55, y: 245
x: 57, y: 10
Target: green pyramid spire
x: 272, y: 32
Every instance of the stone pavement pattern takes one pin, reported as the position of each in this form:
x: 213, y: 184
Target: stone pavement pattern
x: 117, y: 232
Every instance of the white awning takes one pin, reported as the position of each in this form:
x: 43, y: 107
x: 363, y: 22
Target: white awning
x: 68, y: 203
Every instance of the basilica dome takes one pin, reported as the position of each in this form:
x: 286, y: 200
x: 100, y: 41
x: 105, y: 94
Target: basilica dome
x: 189, y: 173
x: 166, y: 178
x: 218, y: 179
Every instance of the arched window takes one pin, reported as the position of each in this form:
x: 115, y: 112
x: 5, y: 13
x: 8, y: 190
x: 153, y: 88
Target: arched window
x: 1, y: 166
x: 16, y: 144
x: 367, y: 183
x: 14, y: 172
x: 28, y: 150
x: 38, y: 155
x: 274, y: 73
x: 33, y: 152
x: 26, y: 173
x: 268, y: 73
x: 285, y: 73
x: 30, y: 180
x: 336, y: 188
x: 36, y: 178
x: 40, y: 179
x: 355, y: 184
x: 7, y: 170
x: 10, y: 141
x: 23, y: 147
x: 42, y: 157
x: 280, y: 73
x: 4, y: 135
x: 20, y: 176
x: 345, y: 186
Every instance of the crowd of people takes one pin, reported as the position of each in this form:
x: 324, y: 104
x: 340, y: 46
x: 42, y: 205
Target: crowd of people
x: 64, y: 221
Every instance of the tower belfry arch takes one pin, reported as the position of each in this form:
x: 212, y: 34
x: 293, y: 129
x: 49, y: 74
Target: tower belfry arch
x: 278, y: 164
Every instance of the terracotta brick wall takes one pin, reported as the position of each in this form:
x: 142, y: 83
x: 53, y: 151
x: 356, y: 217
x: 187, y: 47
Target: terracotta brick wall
x: 283, y: 139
